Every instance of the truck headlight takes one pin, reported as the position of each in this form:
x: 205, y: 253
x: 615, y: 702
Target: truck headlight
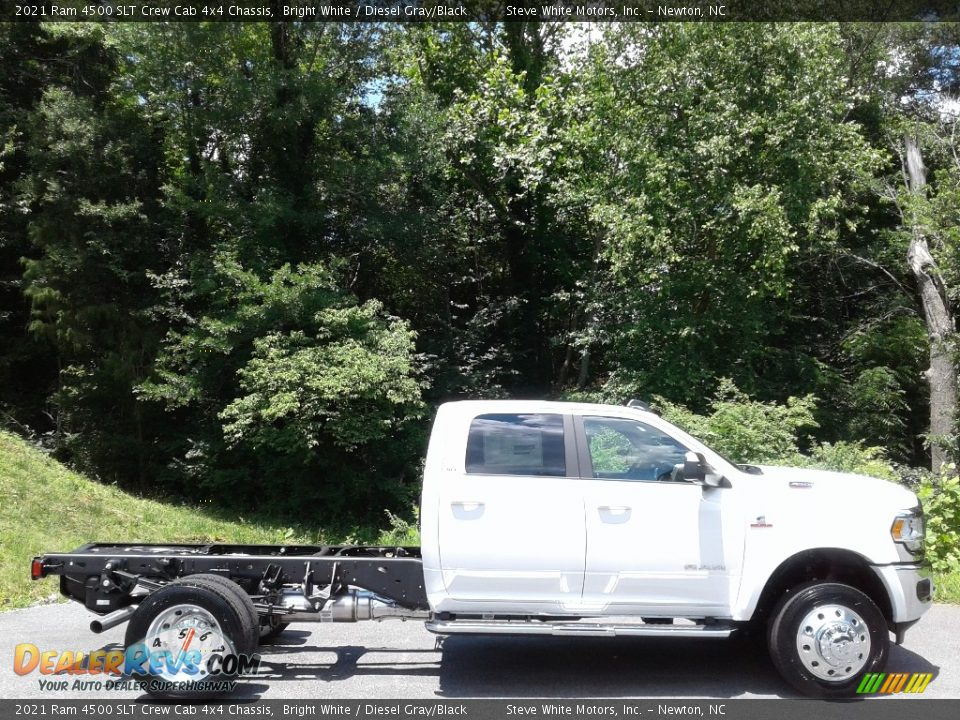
x: 907, y: 530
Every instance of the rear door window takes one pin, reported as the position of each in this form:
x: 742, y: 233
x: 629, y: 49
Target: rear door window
x: 516, y: 444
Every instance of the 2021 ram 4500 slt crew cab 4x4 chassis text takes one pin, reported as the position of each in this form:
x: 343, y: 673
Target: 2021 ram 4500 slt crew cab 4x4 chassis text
x: 564, y: 519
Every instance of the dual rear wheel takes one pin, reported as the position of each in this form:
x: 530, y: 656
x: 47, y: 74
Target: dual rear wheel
x: 192, y: 636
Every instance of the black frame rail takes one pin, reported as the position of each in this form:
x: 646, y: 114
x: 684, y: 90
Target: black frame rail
x: 393, y: 572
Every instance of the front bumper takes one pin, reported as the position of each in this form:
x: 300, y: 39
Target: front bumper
x: 910, y: 591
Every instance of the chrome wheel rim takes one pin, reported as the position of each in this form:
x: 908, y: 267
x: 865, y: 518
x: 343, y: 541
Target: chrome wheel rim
x: 833, y: 642
x: 182, y: 629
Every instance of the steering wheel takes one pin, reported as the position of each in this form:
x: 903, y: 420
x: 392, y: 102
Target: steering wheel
x: 659, y: 471
x: 669, y: 475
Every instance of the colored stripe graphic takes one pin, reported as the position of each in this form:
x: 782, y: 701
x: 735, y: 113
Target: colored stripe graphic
x: 891, y: 680
x: 894, y: 683
x: 865, y: 683
x: 923, y: 685
x: 870, y: 683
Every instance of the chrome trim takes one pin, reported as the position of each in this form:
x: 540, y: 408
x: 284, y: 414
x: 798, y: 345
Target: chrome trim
x: 833, y: 642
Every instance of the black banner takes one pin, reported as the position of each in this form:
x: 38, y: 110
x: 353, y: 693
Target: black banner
x: 414, y: 11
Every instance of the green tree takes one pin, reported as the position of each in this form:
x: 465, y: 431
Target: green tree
x: 730, y: 168
x: 291, y: 393
x: 33, y: 61
x: 909, y: 75
x: 520, y: 255
x: 272, y: 367
x: 91, y: 194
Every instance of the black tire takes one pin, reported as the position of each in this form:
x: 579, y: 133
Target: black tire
x: 212, y: 596
x: 268, y: 628
x: 240, y: 594
x: 271, y: 628
x: 785, y: 638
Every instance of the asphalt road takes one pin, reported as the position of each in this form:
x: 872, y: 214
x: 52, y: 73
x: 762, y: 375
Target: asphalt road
x: 396, y: 659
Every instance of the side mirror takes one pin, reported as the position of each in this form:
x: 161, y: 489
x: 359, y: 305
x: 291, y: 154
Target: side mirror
x: 695, y: 469
x: 716, y: 481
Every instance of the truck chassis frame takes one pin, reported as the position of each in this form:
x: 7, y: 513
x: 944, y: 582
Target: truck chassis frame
x: 105, y: 576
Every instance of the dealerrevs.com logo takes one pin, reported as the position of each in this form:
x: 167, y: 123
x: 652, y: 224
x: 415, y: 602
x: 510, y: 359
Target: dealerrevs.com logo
x: 200, y: 663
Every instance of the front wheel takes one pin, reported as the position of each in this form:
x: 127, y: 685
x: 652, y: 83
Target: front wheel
x: 824, y: 637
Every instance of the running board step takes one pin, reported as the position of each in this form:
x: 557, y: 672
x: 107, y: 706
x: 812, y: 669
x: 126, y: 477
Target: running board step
x: 570, y: 629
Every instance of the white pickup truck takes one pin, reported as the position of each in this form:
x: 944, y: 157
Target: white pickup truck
x: 561, y: 519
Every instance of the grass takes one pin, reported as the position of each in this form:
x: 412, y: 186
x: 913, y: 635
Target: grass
x: 947, y: 587
x: 44, y: 507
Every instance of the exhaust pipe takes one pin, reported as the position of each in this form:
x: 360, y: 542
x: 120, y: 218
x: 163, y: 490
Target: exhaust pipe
x: 117, y: 617
x: 351, y: 606
x: 355, y: 605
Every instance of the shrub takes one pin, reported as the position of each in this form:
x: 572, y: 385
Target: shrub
x: 878, y: 409
x: 750, y: 431
x: 291, y: 394
x: 401, y: 532
x: 941, y: 504
x: 744, y: 429
x: 850, y: 457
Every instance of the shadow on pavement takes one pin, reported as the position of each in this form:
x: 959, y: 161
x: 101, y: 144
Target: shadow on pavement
x: 503, y: 666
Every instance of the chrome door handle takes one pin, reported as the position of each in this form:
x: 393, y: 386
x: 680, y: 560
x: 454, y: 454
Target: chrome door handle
x: 467, y: 504
x: 618, y: 509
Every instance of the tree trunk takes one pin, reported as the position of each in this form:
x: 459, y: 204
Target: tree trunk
x: 584, y: 369
x: 938, y: 315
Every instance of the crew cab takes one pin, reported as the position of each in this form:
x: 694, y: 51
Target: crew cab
x: 564, y: 519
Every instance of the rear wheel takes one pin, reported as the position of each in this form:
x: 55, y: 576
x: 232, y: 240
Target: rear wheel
x: 237, y: 591
x: 187, y: 638
x: 269, y: 627
x: 824, y: 637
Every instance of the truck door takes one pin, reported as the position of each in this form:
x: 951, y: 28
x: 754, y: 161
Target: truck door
x: 654, y: 545
x: 510, y: 520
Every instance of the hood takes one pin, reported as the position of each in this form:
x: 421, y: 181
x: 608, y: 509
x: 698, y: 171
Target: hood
x: 829, y: 484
